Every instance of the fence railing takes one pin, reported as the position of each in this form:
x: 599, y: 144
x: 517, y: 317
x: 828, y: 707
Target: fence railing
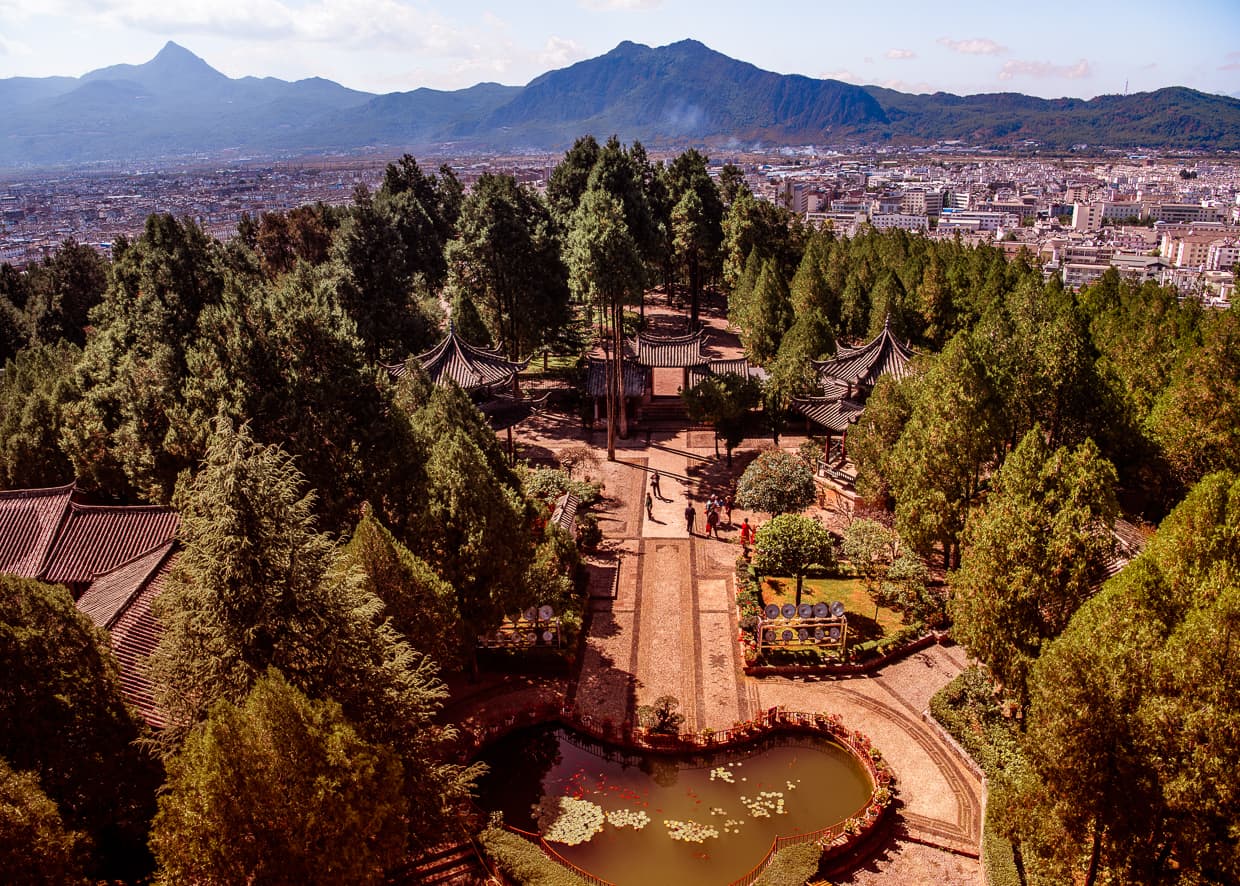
x: 769, y: 720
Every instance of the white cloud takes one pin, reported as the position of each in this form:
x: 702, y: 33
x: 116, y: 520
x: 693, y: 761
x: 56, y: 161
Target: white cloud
x: 921, y: 86
x: 560, y: 52
x: 1044, y: 70
x: 1231, y: 62
x: 973, y: 46
x: 847, y: 76
x: 624, y: 5
x: 901, y: 53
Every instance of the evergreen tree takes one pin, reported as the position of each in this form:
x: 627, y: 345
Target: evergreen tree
x: 506, y: 260
x: 35, y: 847
x: 790, y: 544
x: 1032, y: 555
x: 279, y: 789
x: 66, y: 721
x: 36, y: 388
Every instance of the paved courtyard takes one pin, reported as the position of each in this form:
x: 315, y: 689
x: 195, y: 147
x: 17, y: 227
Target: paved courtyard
x: 663, y: 621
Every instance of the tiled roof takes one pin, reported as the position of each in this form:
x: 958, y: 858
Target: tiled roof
x: 660, y: 352
x: 96, y: 539
x: 883, y: 355
x: 110, y: 592
x: 134, y: 636
x: 504, y: 411
x: 1129, y: 543
x: 565, y: 514
x: 29, y: 520
x: 456, y: 360
x: 634, y: 378
x: 740, y: 366
x: 833, y: 413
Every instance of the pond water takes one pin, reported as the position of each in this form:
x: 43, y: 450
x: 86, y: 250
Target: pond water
x: 725, y: 807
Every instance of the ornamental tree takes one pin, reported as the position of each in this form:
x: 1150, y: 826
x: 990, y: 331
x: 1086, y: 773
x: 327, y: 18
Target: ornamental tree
x: 35, y: 846
x: 776, y: 482
x: 723, y: 401
x: 790, y: 544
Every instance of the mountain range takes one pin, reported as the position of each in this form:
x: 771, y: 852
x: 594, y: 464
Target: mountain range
x: 177, y: 105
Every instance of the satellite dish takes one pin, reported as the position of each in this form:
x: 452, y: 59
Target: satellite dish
x: 787, y: 636
x: 821, y: 610
x: 837, y: 609
x: 531, y: 614
x: 545, y: 613
x: 803, y: 634
x: 818, y: 633
x: 788, y: 610
x: 834, y: 634
x: 772, y: 610
x: 805, y: 610
x: 547, y: 636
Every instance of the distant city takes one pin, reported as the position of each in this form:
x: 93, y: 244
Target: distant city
x: 1175, y: 221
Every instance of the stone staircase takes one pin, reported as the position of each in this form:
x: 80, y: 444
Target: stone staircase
x: 447, y: 865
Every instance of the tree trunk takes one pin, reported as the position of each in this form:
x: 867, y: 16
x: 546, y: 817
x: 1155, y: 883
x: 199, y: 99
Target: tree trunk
x: 800, y: 580
x: 694, y: 284
x: 1091, y: 874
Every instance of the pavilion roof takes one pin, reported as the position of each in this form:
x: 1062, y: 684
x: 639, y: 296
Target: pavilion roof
x: 834, y: 413
x: 504, y: 410
x: 864, y: 365
x: 661, y: 352
x: 29, y: 522
x: 634, y: 377
x: 741, y: 366
x: 565, y: 513
x: 95, y: 539
x: 469, y: 366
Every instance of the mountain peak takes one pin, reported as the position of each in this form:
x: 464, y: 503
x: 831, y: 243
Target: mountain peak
x: 173, y: 67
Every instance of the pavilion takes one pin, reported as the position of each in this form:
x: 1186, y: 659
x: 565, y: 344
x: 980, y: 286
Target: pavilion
x: 846, y: 381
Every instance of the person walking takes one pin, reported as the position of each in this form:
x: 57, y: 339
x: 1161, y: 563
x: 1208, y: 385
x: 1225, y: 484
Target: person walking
x: 649, y: 507
x: 654, y: 486
x: 727, y: 507
x: 690, y: 516
x: 746, y: 537
x: 712, y: 523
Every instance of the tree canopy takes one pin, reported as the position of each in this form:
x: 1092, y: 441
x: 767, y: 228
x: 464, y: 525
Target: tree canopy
x: 776, y: 482
x: 790, y: 544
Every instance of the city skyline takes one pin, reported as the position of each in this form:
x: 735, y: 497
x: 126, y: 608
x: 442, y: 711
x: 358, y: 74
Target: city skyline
x: 391, y: 45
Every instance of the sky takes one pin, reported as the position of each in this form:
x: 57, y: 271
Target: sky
x: 1051, y: 48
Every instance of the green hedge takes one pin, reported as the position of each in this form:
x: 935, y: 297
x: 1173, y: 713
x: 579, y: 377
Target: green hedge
x: 966, y: 708
x: 524, y: 862
x: 791, y: 866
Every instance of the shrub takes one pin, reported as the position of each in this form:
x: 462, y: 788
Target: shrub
x: 791, y: 866
x: 523, y: 862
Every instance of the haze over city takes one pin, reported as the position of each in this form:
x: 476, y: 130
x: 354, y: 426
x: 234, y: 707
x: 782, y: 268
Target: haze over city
x: 1056, y: 49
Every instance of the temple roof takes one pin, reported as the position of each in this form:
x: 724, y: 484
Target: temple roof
x: 110, y: 592
x: 120, y: 601
x: 740, y: 366
x: 634, y: 378
x: 95, y: 539
x: 29, y: 522
x: 864, y: 365
x: 660, y: 352
x: 834, y: 413
x: 470, y: 367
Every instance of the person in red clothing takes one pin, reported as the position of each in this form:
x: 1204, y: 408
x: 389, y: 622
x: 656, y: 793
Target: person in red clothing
x: 746, y: 536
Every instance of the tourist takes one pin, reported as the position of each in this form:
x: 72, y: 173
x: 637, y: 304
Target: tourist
x: 746, y: 537
x: 654, y: 486
x: 649, y: 507
x: 727, y: 507
x: 690, y: 516
x: 712, y: 522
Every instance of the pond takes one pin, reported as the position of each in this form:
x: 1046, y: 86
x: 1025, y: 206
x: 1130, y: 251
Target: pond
x: 637, y: 819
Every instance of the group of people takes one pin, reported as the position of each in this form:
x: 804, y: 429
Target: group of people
x: 716, y: 509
